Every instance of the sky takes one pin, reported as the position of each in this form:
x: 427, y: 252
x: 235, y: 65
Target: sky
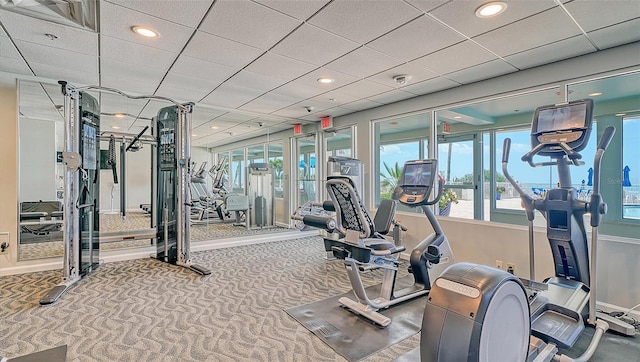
x: 462, y: 160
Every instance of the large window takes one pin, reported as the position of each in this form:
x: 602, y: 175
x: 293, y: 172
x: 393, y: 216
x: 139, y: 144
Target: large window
x: 631, y: 168
x: 398, y: 140
x: 276, y: 160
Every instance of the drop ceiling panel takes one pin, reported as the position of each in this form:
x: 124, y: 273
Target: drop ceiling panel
x: 363, y: 21
x: 363, y: 62
x: 129, y: 52
x: 116, y: 22
x: 269, y: 103
x: 295, y: 111
x: 490, y: 69
x: 460, y: 15
x: 325, y: 46
x: 10, y: 59
x: 203, y: 69
x: 615, y: 35
x: 593, y: 15
x: 460, y: 56
x: 129, y: 77
x: 562, y: 49
x: 299, y: 89
x: 82, y: 63
x: 415, y: 72
x: 231, y: 96
x: 203, y: 115
x: 311, y: 79
x: 184, y: 88
x: 188, y: 13
x: 300, y: 10
x: 364, y: 88
x: 510, y: 40
x: 336, y: 97
x: 259, y: 82
x: 32, y: 30
x: 391, y: 96
x: 219, y: 50
x: 335, y: 112
x: 415, y: 39
x: 248, y: 23
x: 360, y: 105
x: 279, y: 66
x: 430, y: 86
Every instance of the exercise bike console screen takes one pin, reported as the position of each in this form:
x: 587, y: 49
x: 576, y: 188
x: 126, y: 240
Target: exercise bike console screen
x: 568, y: 123
x: 416, y: 182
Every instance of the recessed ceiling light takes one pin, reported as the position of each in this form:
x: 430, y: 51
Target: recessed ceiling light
x: 394, y: 123
x: 325, y: 80
x: 491, y: 9
x: 115, y: 127
x: 119, y: 115
x: 595, y: 94
x: 194, y: 135
x: 214, y: 127
x: 620, y: 114
x: 457, y: 117
x: 145, y: 31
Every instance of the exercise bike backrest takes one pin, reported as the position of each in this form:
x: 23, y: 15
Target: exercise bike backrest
x: 416, y: 183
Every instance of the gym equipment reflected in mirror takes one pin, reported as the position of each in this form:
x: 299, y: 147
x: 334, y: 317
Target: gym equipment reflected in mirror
x: 125, y: 171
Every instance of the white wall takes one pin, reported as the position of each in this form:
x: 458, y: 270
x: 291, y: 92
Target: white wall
x: 37, y: 160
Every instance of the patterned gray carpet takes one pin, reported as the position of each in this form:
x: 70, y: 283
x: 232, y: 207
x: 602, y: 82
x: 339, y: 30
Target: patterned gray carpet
x: 145, y: 310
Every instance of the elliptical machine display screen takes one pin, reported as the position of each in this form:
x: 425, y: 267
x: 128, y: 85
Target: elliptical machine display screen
x: 167, y: 148
x: 568, y: 123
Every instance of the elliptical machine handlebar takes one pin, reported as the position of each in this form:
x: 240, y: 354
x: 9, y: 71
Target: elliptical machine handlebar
x: 597, y: 207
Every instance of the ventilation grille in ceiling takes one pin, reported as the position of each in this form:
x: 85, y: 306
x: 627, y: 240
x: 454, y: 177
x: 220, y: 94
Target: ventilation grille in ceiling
x: 77, y: 13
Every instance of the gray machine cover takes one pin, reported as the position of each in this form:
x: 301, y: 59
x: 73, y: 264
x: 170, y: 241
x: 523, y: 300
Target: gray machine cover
x: 475, y: 313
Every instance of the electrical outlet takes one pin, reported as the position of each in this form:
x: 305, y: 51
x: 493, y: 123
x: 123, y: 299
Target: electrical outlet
x: 499, y: 264
x: 511, y: 268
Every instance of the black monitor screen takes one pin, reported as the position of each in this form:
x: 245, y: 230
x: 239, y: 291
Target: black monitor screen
x: 418, y: 174
x: 561, y: 118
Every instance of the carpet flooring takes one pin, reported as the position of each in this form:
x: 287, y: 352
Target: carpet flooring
x: 145, y: 310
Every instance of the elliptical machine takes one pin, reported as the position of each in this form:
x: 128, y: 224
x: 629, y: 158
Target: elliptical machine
x: 359, y: 252
x: 475, y: 312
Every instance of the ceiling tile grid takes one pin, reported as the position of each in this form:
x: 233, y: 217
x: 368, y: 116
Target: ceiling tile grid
x: 10, y: 59
x: 216, y: 49
x: 421, y: 36
x: 509, y: 39
x: 363, y: 21
x: 187, y: 13
x: 363, y: 62
x: 594, y: 15
x: 185, y: 88
x: 430, y: 86
x: 231, y: 96
x: 562, y: 49
x: 461, y: 16
x: 619, y: 34
x: 32, y: 30
x: 130, y: 52
x: 116, y: 22
x: 490, y: 69
x: 37, y: 54
x: 130, y: 77
x: 191, y: 67
x: 300, y: 10
x: 278, y: 66
x: 313, y: 45
x: 248, y: 22
x: 414, y: 72
x: 457, y: 57
x: 269, y: 103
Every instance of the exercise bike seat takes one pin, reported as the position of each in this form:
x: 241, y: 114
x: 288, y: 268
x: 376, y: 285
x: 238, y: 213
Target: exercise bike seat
x: 384, y: 216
